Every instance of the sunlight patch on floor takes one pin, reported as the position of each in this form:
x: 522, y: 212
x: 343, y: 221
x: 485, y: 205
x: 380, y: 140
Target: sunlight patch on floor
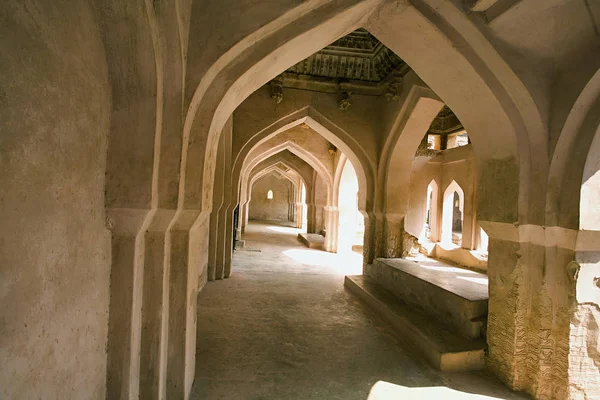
x: 343, y: 263
x: 388, y: 391
x: 284, y: 229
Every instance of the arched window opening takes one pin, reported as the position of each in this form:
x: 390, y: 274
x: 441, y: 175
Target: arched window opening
x: 430, y: 228
x: 270, y: 195
x: 456, y: 220
x: 453, y: 215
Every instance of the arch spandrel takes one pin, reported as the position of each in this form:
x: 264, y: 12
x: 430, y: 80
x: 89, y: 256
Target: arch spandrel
x: 412, y: 123
x: 567, y: 169
x: 491, y: 102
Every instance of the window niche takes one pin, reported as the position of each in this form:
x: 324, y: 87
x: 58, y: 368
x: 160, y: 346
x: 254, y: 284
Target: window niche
x: 453, y: 215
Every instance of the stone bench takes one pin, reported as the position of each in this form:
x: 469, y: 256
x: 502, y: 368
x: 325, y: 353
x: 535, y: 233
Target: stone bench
x: 456, y: 297
x: 441, y: 347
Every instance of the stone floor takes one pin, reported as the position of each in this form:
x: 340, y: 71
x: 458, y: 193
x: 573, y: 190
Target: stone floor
x: 283, y: 327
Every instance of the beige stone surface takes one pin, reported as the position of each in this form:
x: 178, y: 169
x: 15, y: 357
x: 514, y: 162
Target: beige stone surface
x: 270, y: 344
x: 116, y: 207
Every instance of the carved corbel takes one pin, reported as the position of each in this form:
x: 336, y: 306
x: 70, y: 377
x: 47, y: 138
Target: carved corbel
x: 277, y: 89
x: 345, y: 100
x: 392, y: 92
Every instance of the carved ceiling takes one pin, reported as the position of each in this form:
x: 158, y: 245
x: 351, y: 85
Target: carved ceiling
x: 358, y: 56
x: 354, y: 64
x: 445, y: 123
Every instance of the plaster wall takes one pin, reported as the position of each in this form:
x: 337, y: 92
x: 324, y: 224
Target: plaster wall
x: 275, y: 209
x: 54, y: 246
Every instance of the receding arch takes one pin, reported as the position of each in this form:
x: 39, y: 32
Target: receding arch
x: 365, y: 168
x: 301, y: 167
x: 299, y: 151
x: 273, y: 161
x: 296, y: 181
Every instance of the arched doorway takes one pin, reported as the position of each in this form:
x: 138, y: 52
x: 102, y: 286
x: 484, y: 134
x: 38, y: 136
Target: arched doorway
x: 351, y: 222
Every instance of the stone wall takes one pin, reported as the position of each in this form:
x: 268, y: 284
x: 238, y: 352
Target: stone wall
x: 54, y: 246
x: 275, y: 209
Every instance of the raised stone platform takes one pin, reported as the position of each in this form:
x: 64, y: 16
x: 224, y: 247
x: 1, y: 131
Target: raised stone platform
x: 312, y: 240
x: 443, y: 348
x: 456, y: 297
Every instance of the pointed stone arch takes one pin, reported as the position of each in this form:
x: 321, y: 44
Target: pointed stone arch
x: 477, y: 84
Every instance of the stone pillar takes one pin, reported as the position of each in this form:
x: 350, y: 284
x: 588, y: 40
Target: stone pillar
x: 369, y: 240
x: 228, y: 243
x: 469, y: 239
x: 508, y: 277
x: 299, y: 210
x: 155, y: 310
x: 244, y: 216
x: 189, y: 236
x: 222, y: 244
x: 543, y: 310
x: 584, y: 322
x: 311, y: 218
x: 332, y: 220
x: 155, y: 279
x: 225, y: 215
x: 216, y: 231
x: 393, y: 236
x: 128, y: 228
x: 292, y: 204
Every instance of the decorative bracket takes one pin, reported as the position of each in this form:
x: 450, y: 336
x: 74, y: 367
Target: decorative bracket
x: 277, y: 89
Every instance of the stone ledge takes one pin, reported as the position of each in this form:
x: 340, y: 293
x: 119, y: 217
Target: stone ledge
x: 312, y: 240
x: 455, y: 296
x: 443, y: 349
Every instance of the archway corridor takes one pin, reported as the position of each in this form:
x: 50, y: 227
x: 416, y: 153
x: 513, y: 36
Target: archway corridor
x: 283, y: 327
x: 292, y: 199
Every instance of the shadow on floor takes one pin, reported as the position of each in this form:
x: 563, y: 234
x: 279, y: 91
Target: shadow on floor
x: 284, y: 327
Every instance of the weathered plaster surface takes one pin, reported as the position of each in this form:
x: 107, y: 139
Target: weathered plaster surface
x: 54, y: 245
